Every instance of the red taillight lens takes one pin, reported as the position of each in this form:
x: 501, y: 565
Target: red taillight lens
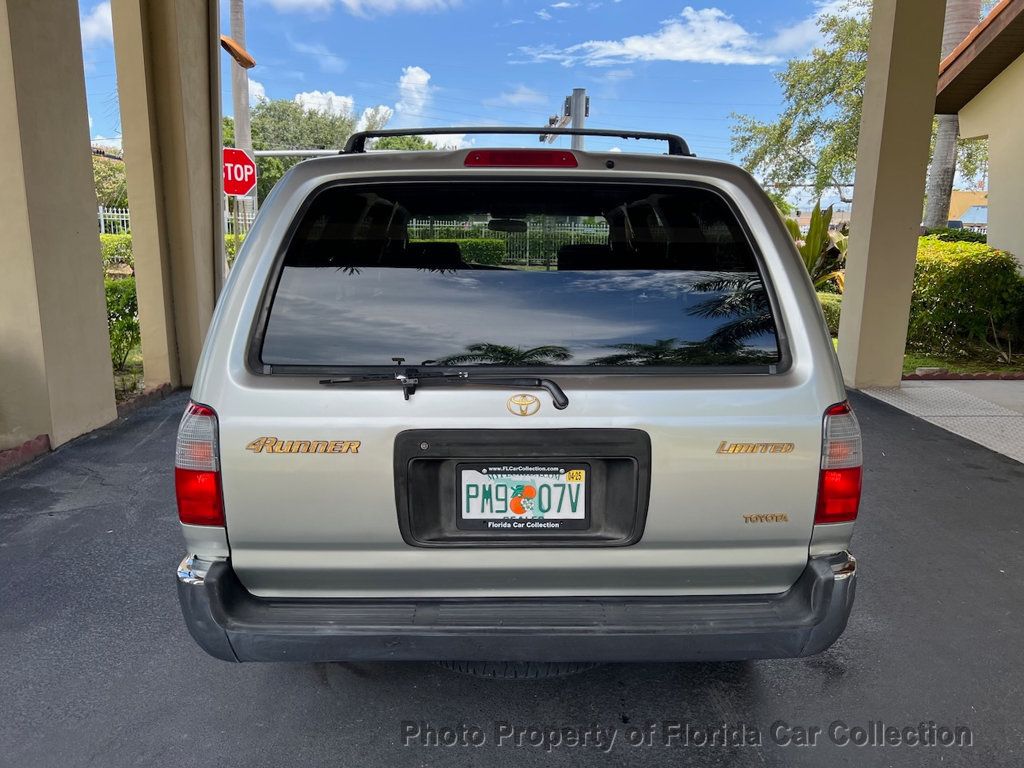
x: 838, y: 495
x: 197, y: 468
x: 839, y: 482
x: 520, y: 158
x: 199, y: 501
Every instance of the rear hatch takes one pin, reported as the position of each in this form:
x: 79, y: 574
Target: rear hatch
x: 521, y: 386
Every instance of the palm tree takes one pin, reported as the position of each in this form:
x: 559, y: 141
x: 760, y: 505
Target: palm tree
x: 743, y: 298
x: 501, y: 354
x: 661, y: 352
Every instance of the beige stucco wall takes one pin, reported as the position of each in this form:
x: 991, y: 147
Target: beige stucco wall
x: 55, y: 369
x: 168, y: 83
x: 998, y: 113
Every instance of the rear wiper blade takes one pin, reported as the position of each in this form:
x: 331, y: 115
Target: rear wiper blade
x: 411, y: 379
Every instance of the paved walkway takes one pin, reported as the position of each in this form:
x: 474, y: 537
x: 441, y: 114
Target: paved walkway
x: 991, y: 413
x: 97, y: 669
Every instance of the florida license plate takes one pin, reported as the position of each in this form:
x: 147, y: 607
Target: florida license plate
x: 531, y: 498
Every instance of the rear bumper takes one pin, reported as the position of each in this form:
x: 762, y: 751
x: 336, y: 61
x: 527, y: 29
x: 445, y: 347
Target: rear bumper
x: 230, y: 623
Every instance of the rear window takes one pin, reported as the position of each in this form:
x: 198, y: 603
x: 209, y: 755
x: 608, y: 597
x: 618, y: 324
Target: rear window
x: 520, y: 274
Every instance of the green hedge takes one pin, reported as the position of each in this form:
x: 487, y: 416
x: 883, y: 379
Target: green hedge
x: 478, y: 250
x: 949, y: 235
x: 831, y: 304
x: 122, y: 319
x: 117, y: 251
x: 967, y: 297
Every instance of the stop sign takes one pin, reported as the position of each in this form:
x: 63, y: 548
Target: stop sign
x: 239, y: 172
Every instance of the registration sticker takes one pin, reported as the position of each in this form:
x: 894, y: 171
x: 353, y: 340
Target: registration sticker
x: 509, y: 498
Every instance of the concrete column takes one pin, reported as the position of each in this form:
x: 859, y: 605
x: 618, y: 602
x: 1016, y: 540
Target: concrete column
x: 55, y: 370
x: 168, y: 78
x: 892, y: 155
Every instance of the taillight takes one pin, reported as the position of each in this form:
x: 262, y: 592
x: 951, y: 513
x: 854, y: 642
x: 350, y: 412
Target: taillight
x: 197, y: 468
x: 841, y: 460
x: 520, y: 158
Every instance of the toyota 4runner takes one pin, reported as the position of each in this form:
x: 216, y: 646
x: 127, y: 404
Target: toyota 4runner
x: 517, y: 405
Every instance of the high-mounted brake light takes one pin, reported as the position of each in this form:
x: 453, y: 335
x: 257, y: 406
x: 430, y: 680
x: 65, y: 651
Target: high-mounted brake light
x: 520, y: 158
x: 839, y: 482
x: 197, y: 468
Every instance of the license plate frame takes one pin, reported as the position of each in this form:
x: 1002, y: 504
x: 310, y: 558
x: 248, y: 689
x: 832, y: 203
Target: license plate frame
x: 552, y: 473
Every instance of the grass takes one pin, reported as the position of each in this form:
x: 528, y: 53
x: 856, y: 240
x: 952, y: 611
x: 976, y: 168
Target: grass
x: 915, y: 359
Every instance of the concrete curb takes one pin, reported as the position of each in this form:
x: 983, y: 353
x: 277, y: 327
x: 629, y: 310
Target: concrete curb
x: 964, y: 376
x: 24, y: 453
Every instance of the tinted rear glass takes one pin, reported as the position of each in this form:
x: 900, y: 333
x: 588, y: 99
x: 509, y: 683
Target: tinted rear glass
x: 520, y: 274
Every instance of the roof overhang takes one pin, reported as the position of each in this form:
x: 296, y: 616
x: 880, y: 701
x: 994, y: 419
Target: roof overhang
x: 989, y: 49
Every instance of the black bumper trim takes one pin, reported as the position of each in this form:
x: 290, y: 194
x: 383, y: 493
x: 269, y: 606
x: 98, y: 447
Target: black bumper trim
x: 230, y: 623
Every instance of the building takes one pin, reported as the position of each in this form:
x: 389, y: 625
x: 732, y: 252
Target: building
x: 983, y: 81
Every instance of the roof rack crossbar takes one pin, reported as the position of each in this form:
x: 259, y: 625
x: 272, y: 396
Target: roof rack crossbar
x: 356, y: 143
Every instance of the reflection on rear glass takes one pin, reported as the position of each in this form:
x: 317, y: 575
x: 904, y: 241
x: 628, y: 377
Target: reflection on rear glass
x: 597, y: 275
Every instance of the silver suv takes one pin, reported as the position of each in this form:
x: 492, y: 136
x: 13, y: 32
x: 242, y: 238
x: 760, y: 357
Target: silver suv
x: 534, y: 406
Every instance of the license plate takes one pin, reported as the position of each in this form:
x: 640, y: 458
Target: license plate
x: 530, y: 498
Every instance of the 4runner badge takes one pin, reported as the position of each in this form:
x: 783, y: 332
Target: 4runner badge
x: 523, y: 405
x: 275, y: 445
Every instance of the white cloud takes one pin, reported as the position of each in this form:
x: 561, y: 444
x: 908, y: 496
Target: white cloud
x: 564, y: 4
x: 413, y: 93
x: 257, y: 92
x: 364, y: 7
x: 615, y: 149
x: 450, y: 141
x: 103, y: 141
x: 705, y: 36
x: 97, y: 26
x: 520, y: 96
x: 544, y: 15
x: 325, y: 101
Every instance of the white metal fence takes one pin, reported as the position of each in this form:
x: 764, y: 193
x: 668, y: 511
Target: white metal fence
x: 113, y: 221
x: 537, y: 246
x: 117, y: 221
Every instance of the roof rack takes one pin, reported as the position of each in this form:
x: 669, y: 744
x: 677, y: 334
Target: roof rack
x: 356, y: 143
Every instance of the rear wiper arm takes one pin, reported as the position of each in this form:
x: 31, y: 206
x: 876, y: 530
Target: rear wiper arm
x: 558, y: 396
x: 411, y: 379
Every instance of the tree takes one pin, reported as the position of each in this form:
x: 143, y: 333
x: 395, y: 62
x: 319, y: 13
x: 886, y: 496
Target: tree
x: 406, y: 143
x: 284, y: 124
x: 813, y: 142
x: 501, y: 354
x: 110, y: 182
x: 961, y: 18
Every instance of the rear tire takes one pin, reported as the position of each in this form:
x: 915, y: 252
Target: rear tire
x: 518, y: 670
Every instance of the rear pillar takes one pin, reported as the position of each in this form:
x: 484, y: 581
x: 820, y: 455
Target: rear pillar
x: 168, y: 79
x: 56, y: 380
x: 892, y: 156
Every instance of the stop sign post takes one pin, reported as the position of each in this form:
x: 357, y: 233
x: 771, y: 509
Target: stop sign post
x: 239, y: 172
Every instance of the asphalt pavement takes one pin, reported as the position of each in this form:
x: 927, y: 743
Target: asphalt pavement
x: 97, y: 669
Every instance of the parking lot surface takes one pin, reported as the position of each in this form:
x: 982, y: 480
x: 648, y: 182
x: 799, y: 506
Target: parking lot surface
x: 98, y: 669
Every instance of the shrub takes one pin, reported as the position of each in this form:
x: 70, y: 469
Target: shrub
x: 966, y: 296
x: 831, y: 304
x: 478, y: 250
x: 117, y: 251
x: 230, y: 251
x: 949, y: 235
x: 122, y: 319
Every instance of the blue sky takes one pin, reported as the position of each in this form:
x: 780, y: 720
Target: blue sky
x: 647, y: 64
